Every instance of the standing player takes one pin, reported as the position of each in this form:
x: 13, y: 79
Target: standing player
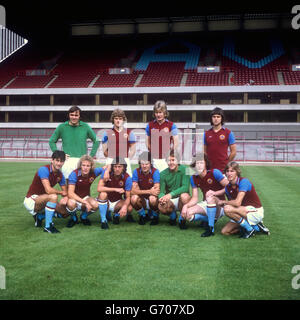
x: 161, y: 135
x: 74, y: 134
x: 119, y: 141
x: 79, y: 191
x: 145, y: 189
x: 244, y: 206
x: 217, y: 140
x: 174, y: 188
x: 212, y: 184
x: 114, y: 193
x: 42, y: 198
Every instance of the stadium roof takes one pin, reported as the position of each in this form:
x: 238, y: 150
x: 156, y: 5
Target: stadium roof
x: 33, y: 18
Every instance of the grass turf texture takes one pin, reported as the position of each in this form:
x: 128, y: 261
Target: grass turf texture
x: 135, y: 262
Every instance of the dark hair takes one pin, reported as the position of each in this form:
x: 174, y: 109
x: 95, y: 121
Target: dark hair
x: 73, y: 109
x: 118, y: 160
x: 59, y: 154
x: 175, y: 154
x: 218, y: 111
x: 145, y: 156
x: 198, y: 157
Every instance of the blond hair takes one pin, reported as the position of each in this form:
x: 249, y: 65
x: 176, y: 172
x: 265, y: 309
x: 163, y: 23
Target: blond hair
x: 86, y: 157
x: 160, y: 105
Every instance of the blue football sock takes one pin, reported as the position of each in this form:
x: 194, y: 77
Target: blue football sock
x: 117, y: 214
x: 154, y: 214
x: 49, y: 212
x: 180, y: 219
x: 200, y: 217
x: 84, y: 215
x: 40, y: 216
x: 150, y: 213
x: 142, y: 212
x: 256, y: 228
x: 211, y: 214
x: 173, y: 215
x: 102, y: 210
x: 244, y: 223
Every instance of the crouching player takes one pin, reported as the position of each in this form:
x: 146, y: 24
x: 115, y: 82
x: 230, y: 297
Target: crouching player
x: 212, y: 184
x: 42, y: 198
x: 145, y: 189
x: 243, y: 205
x: 79, y: 191
x: 174, y: 188
x: 114, y: 194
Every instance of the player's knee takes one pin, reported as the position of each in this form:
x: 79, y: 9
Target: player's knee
x: 71, y: 204
x: 134, y: 199
x: 184, y: 197
x: 52, y: 197
x: 153, y: 200
x: 102, y: 196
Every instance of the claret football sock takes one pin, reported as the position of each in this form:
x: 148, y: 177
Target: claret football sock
x: 49, y: 212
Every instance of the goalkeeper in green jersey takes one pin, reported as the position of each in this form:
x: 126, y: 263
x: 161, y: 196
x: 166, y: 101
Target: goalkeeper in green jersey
x: 74, y: 134
x: 174, y: 187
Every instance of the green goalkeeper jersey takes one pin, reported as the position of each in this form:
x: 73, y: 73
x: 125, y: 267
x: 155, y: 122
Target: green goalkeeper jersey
x: 74, y: 139
x: 175, y: 183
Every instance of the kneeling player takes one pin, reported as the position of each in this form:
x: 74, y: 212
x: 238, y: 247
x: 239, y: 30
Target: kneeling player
x: 145, y: 189
x: 114, y: 193
x: 79, y: 190
x: 174, y: 188
x: 211, y: 183
x: 243, y: 207
x: 42, y: 199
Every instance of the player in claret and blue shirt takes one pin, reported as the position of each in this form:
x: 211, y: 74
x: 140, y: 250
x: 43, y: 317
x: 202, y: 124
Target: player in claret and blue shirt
x: 217, y: 141
x: 145, y: 189
x: 42, y: 198
x: 243, y: 205
x: 79, y: 191
x: 114, y: 193
x: 212, y: 184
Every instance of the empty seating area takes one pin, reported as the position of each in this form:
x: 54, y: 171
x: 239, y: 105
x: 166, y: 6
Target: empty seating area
x: 153, y: 65
x: 116, y: 80
x: 207, y: 79
x: 163, y: 74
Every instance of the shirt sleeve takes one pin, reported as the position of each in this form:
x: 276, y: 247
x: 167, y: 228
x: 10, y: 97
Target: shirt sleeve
x: 219, y: 176
x: 128, y: 184
x: 62, y: 181
x: 174, y: 130
x: 147, y: 130
x: 192, y: 182
x: 43, y: 173
x: 156, y: 177
x: 231, y: 138
x: 104, y: 137
x: 102, y: 174
x: 245, y: 185
x: 132, y: 138
x: 72, y: 178
x: 96, y: 142
x: 135, y: 177
x: 162, y: 185
x: 54, y: 138
x: 98, y: 171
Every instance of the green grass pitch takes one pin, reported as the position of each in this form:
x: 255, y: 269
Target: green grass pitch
x: 135, y: 262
